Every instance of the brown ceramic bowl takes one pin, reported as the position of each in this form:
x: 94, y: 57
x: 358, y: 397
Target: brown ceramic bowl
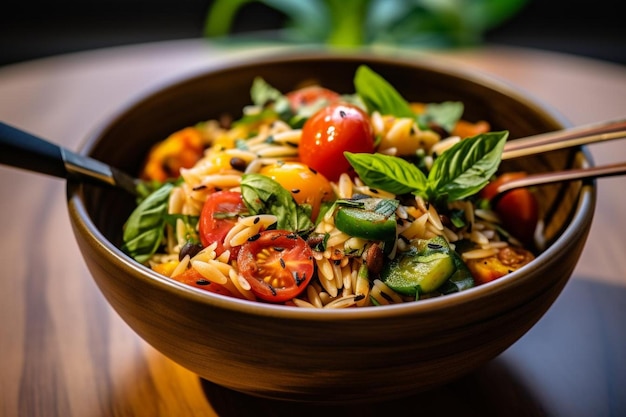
x: 350, y: 355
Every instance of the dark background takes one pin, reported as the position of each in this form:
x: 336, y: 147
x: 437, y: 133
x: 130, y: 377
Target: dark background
x: 37, y: 28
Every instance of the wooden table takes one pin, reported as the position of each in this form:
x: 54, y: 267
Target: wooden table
x: 54, y: 360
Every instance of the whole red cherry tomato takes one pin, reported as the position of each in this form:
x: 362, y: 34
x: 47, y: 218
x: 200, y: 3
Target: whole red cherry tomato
x: 278, y: 265
x: 517, y: 208
x: 332, y: 131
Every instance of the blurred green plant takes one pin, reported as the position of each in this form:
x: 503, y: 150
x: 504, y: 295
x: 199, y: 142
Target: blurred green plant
x: 434, y: 23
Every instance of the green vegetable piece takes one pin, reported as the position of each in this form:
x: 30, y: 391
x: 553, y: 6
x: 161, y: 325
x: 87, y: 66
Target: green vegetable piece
x: 365, y: 224
x: 388, y: 173
x: 420, y: 270
x: 444, y: 114
x: 378, y: 95
x: 263, y: 195
x: 467, y: 166
x: 143, y: 231
x: 457, y: 173
x: 368, y: 218
x: 462, y: 278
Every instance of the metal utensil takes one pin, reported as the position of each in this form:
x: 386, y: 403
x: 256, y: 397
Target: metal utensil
x: 561, y: 139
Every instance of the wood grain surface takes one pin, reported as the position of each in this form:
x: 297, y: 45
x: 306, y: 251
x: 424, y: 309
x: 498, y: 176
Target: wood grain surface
x: 65, y: 352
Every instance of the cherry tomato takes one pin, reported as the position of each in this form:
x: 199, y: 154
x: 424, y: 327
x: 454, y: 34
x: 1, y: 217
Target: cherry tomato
x: 329, y: 133
x: 278, y: 265
x: 518, y: 208
x: 307, y: 186
x: 195, y: 279
x: 308, y: 95
x: 218, y: 216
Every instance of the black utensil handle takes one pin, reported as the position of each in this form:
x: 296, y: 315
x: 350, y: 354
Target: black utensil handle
x: 23, y: 150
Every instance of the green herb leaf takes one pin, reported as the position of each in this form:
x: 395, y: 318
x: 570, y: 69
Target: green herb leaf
x: 388, y: 173
x: 190, y: 222
x: 263, y: 93
x: 143, y: 231
x: 459, y: 172
x: 445, y: 114
x: 466, y: 167
x: 252, y: 118
x: 378, y: 95
x: 263, y: 195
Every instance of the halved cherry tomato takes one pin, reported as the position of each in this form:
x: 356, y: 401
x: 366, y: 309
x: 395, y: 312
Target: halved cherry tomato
x: 195, y: 279
x: 218, y: 216
x: 518, y: 209
x: 278, y: 265
x: 310, y: 94
x: 307, y: 186
x: 332, y: 131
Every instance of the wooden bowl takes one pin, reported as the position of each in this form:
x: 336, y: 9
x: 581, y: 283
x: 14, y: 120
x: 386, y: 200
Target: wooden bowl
x: 351, y: 355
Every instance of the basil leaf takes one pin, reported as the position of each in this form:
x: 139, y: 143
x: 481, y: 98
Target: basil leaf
x: 262, y: 194
x: 143, y: 231
x: 262, y: 93
x: 378, y: 95
x: 466, y: 167
x: 445, y: 114
x: 388, y: 173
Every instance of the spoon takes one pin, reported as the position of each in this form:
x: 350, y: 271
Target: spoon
x: 21, y: 149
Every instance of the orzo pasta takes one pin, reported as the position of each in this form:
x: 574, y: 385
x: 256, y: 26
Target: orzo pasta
x: 320, y: 200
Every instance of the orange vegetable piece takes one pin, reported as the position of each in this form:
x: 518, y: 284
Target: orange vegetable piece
x: 181, y: 149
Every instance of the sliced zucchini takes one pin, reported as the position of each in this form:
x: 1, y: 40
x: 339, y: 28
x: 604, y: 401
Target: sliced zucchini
x: 422, y: 269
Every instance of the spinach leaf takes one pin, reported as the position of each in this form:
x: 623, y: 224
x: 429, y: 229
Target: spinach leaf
x: 378, y: 95
x: 262, y: 194
x: 143, y: 231
x: 389, y: 173
x: 466, y: 167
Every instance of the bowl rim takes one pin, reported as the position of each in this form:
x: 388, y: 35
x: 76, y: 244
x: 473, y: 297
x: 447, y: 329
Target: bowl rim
x: 84, y: 224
